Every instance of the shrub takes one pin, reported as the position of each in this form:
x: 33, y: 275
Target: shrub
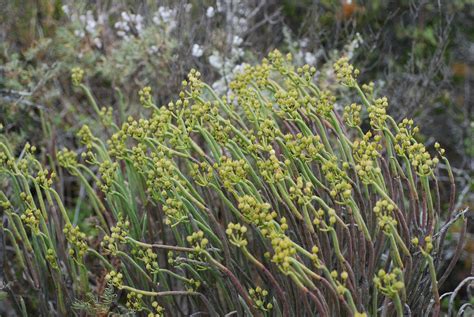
x: 265, y: 201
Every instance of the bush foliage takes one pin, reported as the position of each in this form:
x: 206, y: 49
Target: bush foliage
x: 265, y: 201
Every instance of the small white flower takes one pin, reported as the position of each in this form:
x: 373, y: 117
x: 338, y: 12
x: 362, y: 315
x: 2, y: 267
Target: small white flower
x: 125, y: 16
x: 216, y: 60
x: 101, y: 18
x: 304, y: 42
x: 210, y: 12
x: 239, y: 68
x: 197, y: 50
x: 65, y: 9
x: 90, y: 26
x: 220, y: 7
x: 153, y: 49
x: 237, y: 40
x: 309, y: 58
x: 97, y: 42
x: 299, y: 56
x: 79, y: 33
x: 237, y: 52
x: 165, y: 17
x: 138, y: 18
x: 165, y: 14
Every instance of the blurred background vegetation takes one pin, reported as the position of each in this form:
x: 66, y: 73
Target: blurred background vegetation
x: 418, y: 53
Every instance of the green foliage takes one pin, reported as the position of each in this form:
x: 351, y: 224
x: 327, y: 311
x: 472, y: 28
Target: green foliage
x: 267, y: 201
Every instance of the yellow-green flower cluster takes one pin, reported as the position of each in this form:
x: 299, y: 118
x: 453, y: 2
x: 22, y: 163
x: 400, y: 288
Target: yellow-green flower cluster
x: 308, y: 103
x: 255, y: 212
x: 3, y: 158
x: 159, y: 311
x: 116, y: 144
x: 427, y: 247
x: 202, y: 173
x: 77, y: 75
x: 336, y: 178
x: 192, y: 284
x: 315, y: 257
x: 236, y: 233
x: 389, y: 284
x: 277, y: 61
x: 231, y: 171
x: 67, y: 158
x: 325, y: 104
x: 346, y: 74
x: 118, y: 235
x: 366, y: 152
x: 258, y: 296
x: 107, y: 171
x: 200, y: 111
x: 22, y: 165
x: 306, y: 148
x: 271, y: 169
x: 301, y: 192
x: 283, y: 249
x: 368, y: 89
x: 194, y: 83
x: 428, y: 244
x: 6, y: 205
x: 257, y: 74
x: 440, y: 150
x: 198, y: 241
x: 174, y: 211
x: 352, y: 115
x: 405, y: 136
x: 383, y: 210
x: 86, y: 138
x: 31, y: 218
x: 51, y: 258
x: 288, y: 102
x: 378, y: 113
x: 320, y: 219
x: 267, y: 131
x: 160, y: 176
x: 421, y: 160
x: 106, y: 116
x: 77, y: 239
x: 307, y: 72
x: 160, y: 123
x: 220, y: 131
x: 150, y: 259
x: 406, y: 145
x: 136, y: 129
x: 44, y: 178
x: 134, y: 301
x: 340, y: 283
x: 115, y: 278
x: 139, y: 156
x: 145, y: 97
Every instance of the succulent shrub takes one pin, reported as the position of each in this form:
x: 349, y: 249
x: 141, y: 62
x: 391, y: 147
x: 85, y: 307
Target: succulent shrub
x: 265, y: 201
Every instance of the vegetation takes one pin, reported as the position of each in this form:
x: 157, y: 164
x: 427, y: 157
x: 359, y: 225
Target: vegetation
x: 265, y: 201
x: 263, y: 182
